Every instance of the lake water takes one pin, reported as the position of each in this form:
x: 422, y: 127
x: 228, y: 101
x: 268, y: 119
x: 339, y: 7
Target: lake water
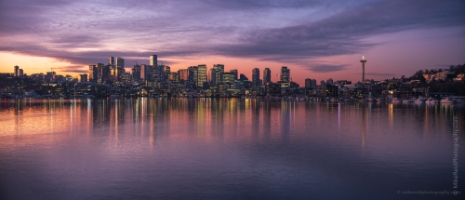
x: 149, y: 148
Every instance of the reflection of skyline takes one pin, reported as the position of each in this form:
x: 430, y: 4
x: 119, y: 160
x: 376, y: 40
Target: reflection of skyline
x: 285, y: 146
x: 213, y: 118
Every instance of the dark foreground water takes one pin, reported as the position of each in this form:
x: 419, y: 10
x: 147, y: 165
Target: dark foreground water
x: 228, y: 149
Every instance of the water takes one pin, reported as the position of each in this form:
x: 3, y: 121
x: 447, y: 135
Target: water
x: 226, y: 149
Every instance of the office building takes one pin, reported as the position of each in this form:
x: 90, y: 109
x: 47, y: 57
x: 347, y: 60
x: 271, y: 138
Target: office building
x: 16, y: 71
x: 183, y: 74
x: 285, y: 74
x: 256, y: 77
x: 93, y: 73
x: 192, y: 76
x: 266, y: 76
x: 217, y: 74
x: 112, y: 60
x: 234, y: 71
x: 83, y: 78
x: 202, y: 75
x: 153, y: 61
x: 229, y: 77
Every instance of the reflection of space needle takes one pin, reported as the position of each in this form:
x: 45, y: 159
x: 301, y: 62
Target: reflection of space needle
x: 363, y: 61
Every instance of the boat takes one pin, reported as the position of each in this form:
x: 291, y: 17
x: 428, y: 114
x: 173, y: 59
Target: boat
x: 395, y: 100
x: 447, y: 100
x: 431, y: 101
x: 419, y: 100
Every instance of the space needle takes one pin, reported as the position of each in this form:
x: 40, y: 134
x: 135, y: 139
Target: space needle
x: 363, y: 61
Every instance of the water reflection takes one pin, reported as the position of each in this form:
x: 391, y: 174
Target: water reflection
x: 227, y: 147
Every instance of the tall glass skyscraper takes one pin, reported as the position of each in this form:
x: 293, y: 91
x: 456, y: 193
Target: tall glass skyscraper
x: 266, y: 76
x: 202, y: 75
x: 218, y: 71
x: 256, y: 77
x: 285, y: 74
x: 153, y: 61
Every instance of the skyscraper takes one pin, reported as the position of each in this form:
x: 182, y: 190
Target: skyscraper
x: 202, y: 75
x: 229, y: 77
x: 329, y: 81
x: 166, y: 72
x: 236, y: 75
x: 143, y: 72
x: 256, y: 77
x: 310, y: 83
x: 83, y: 78
x: 112, y: 60
x: 93, y: 73
x: 16, y: 71
x: 266, y: 76
x: 183, y: 74
x: 136, y: 72
x: 153, y: 60
x: 192, y: 76
x: 285, y: 74
x: 217, y: 75
x: 119, y: 62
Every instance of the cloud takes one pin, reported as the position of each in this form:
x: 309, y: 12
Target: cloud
x: 72, y: 69
x: 326, y: 68
x: 343, y: 33
x: 290, y: 31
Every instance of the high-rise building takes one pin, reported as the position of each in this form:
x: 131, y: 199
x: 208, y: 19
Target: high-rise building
x: 229, y: 77
x: 308, y: 83
x: 119, y: 72
x: 285, y: 74
x: 236, y: 75
x: 266, y: 76
x: 112, y: 60
x: 256, y: 77
x: 173, y: 77
x: 16, y: 71
x: 83, y: 78
x: 21, y: 72
x: 243, y: 78
x: 119, y: 62
x: 104, y: 72
x: 166, y: 72
x: 202, y: 75
x: 193, y: 76
x: 136, y: 72
x: 329, y: 81
x: 183, y: 74
x: 217, y: 75
x: 93, y: 73
x: 153, y: 60
x: 143, y: 72
x: 210, y: 74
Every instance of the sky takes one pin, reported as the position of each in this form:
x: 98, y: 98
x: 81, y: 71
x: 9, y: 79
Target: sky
x: 315, y: 39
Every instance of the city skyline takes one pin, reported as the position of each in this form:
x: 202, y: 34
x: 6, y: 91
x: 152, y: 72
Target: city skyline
x: 317, y: 40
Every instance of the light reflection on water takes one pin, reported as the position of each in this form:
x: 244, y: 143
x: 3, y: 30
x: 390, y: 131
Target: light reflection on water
x: 223, y: 148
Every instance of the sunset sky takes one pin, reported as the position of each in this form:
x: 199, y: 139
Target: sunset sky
x: 315, y: 39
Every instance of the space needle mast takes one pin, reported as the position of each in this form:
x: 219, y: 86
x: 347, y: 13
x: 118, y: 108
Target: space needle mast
x: 363, y: 61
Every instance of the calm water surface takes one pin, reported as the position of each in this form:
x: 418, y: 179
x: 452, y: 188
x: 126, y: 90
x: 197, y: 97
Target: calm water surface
x: 227, y: 149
